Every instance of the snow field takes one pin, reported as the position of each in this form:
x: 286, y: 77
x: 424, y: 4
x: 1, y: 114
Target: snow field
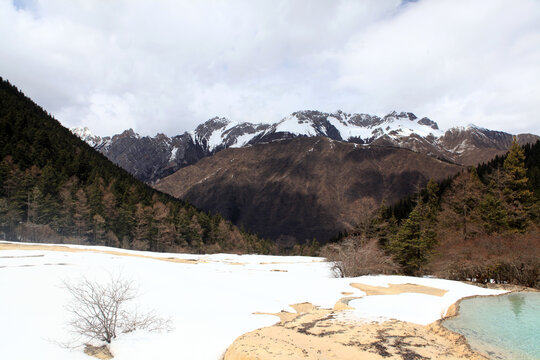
x: 210, y: 303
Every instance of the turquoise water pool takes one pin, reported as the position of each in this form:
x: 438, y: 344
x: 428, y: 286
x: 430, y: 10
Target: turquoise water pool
x: 502, y: 327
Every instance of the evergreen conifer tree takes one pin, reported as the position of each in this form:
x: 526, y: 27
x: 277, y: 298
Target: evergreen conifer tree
x: 517, y: 196
x: 416, y: 237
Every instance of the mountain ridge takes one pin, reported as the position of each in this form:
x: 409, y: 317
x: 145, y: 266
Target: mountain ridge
x: 151, y: 158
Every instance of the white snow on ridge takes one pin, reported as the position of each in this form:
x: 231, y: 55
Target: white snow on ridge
x: 295, y: 126
x: 243, y: 140
x: 394, y: 127
x: 348, y: 131
x: 172, y: 157
x: 216, y: 138
x: 219, y: 136
x: 215, y: 132
x: 85, y: 134
x: 81, y: 132
x: 399, y: 125
x: 210, y: 303
x: 406, y: 127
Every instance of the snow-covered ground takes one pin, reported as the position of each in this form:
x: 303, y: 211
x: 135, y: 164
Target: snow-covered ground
x: 210, y: 303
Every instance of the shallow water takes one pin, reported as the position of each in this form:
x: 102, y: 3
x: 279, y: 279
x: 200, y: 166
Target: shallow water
x: 502, y: 327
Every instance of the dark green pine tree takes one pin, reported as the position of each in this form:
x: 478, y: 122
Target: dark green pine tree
x: 517, y: 196
x: 532, y: 163
x: 493, y: 214
x: 416, y: 236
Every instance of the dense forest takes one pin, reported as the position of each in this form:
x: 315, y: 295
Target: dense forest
x: 56, y: 188
x: 481, y: 225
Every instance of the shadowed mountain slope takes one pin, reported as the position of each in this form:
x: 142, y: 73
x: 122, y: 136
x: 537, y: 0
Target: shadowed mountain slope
x: 304, y: 188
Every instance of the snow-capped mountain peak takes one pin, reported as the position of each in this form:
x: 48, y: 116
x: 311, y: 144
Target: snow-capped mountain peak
x: 219, y: 133
x: 362, y: 128
x: 85, y: 134
x: 150, y: 158
x: 81, y: 132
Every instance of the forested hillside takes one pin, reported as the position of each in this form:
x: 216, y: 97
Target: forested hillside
x: 56, y: 188
x: 481, y: 225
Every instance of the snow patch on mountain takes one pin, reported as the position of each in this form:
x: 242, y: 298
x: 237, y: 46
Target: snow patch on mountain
x: 174, y: 151
x: 400, y: 129
x: 243, y: 140
x: 85, y: 134
x: 348, y: 130
x: 293, y: 125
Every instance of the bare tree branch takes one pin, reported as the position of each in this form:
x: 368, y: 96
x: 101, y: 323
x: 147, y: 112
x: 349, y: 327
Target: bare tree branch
x: 356, y: 257
x: 99, y: 310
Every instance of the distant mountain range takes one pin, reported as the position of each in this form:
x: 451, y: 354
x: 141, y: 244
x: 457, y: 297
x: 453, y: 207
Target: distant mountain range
x: 152, y: 158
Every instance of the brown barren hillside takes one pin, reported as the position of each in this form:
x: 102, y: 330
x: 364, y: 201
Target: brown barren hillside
x: 305, y: 188
x: 474, y: 146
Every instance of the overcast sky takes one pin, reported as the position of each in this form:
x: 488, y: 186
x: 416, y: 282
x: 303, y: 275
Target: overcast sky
x: 168, y: 65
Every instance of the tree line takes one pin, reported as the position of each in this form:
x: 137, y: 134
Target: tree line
x: 480, y: 225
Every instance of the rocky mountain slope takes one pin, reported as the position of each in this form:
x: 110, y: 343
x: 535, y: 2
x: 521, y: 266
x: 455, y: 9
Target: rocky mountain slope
x: 151, y: 158
x: 298, y: 189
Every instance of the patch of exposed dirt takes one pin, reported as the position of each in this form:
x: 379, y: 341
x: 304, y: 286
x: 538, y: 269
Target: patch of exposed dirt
x: 343, y: 303
x: 14, y: 246
x: 314, y: 333
x: 394, y: 289
x: 99, y: 352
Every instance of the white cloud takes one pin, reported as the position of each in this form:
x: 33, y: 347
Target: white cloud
x: 165, y: 66
x: 455, y: 61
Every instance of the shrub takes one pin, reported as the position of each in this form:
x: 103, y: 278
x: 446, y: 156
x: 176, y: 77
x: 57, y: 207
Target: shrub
x: 99, y: 311
x: 354, y: 257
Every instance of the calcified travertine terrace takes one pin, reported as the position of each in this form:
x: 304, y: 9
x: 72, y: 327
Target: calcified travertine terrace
x: 217, y: 297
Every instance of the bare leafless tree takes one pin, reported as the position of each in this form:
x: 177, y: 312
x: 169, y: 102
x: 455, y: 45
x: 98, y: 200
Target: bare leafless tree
x: 99, y: 310
x: 354, y: 257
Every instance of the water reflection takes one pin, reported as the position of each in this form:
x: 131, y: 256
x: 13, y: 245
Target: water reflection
x: 516, y: 301
x: 505, y: 327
